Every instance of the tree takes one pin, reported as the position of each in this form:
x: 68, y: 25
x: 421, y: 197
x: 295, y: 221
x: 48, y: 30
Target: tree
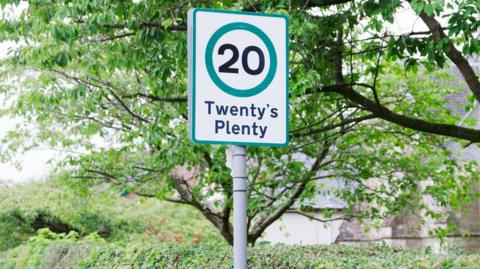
x: 369, y: 110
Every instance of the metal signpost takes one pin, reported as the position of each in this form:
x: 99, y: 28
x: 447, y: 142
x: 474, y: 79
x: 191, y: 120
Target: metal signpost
x: 238, y: 92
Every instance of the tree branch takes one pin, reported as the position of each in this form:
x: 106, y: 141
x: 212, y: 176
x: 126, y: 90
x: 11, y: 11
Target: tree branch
x: 108, y: 87
x: 333, y: 126
x: 453, y: 54
x: 175, y: 99
x: 109, y: 177
x: 125, y: 107
x: 345, y: 217
x: 325, y: 3
x: 383, y: 112
x: 111, y: 38
x: 177, y: 27
x: 181, y: 176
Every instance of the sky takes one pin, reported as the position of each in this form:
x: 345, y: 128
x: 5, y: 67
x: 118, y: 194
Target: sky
x: 35, y: 163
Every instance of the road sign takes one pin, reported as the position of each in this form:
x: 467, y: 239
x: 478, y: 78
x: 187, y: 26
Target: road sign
x: 238, y: 77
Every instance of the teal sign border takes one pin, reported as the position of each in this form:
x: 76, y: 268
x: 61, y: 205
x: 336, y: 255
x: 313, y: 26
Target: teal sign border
x: 214, y: 76
x: 192, y: 75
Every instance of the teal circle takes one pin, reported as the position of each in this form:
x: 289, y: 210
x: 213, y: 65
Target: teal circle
x: 214, y: 76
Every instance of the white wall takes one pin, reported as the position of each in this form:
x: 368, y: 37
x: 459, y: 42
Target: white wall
x: 296, y: 229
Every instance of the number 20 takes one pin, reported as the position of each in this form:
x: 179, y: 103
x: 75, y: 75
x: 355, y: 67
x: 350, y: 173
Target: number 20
x: 226, y: 67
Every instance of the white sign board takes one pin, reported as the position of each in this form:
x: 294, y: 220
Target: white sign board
x: 238, y: 77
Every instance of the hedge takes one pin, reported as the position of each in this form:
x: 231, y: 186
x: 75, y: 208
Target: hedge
x: 51, y: 251
x: 273, y: 256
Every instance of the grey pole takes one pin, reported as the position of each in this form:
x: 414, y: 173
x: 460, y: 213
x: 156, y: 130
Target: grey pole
x: 239, y: 174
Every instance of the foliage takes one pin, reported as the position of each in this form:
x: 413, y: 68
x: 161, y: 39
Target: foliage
x: 279, y: 256
x: 106, y: 81
x: 50, y: 250
x: 13, y: 229
x: 116, y: 218
x: 70, y: 253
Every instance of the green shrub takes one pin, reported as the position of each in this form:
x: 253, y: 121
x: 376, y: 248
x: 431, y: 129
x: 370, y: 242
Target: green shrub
x: 17, y: 225
x: 50, y: 251
x: 95, y: 210
x: 14, y: 229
